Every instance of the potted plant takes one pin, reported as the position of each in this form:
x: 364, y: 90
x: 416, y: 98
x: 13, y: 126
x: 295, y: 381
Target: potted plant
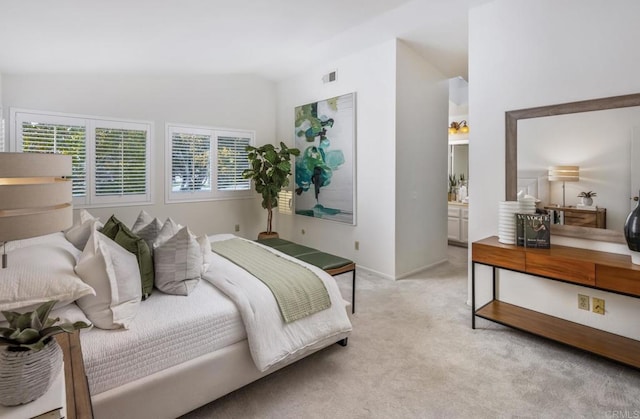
x: 586, y: 198
x: 270, y: 171
x: 453, y: 184
x: 32, y: 358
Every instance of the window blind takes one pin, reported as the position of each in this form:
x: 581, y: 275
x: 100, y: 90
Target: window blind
x: 62, y: 139
x: 232, y: 161
x: 120, y: 161
x: 190, y: 162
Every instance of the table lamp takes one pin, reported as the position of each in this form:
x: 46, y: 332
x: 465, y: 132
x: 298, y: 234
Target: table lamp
x: 564, y: 174
x: 35, y: 196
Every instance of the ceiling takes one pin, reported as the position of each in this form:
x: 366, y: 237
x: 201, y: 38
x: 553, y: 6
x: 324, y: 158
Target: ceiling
x: 271, y: 38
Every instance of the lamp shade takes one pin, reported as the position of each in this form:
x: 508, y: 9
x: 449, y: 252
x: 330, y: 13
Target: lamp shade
x: 564, y: 173
x: 35, y: 198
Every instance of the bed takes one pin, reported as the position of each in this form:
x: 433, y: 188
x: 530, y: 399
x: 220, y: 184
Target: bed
x: 181, y: 352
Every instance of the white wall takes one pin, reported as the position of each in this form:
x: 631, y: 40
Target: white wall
x: 234, y: 101
x: 531, y: 53
x: 402, y: 105
x: 422, y: 107
x: 371, y: 74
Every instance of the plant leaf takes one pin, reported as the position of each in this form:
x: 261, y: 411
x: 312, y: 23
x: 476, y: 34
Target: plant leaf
x: 6, y: 341
x: 11, y: 317
x: 24, y: 321
x: 36, y: 324
x: 28, y: 336
x: 50, y: 322
x: 34, y: 346
x: 44, y: 310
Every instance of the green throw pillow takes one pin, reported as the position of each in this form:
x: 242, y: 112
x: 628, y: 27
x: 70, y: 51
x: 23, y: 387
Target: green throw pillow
x: 120, y: 233
x: 111, y: 227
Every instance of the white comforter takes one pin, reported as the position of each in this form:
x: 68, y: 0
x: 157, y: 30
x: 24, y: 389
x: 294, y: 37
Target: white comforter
x: 271, y: 340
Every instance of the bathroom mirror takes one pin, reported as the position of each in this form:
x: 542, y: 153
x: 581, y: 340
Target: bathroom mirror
x: 590, y: 169
x: 459, y: 160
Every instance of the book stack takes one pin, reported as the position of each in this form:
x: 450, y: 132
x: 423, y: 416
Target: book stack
x: 533, y: 230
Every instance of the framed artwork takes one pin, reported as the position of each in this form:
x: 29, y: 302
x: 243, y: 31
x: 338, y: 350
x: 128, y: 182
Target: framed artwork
x: 325, y: 134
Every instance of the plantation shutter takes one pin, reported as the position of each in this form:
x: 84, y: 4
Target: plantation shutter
x: 190, y: 162
x: 232, y: 161
x: 38, y: 137
x: 120, y: 161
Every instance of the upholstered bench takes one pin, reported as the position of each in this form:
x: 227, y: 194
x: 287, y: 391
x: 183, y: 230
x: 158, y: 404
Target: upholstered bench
x: 332, y: 264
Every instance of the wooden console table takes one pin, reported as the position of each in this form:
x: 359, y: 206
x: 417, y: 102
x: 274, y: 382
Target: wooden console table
x: 590, y: 268
x: 76, y: 386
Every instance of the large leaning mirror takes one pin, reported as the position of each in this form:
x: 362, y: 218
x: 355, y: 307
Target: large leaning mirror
x: 593, y: 136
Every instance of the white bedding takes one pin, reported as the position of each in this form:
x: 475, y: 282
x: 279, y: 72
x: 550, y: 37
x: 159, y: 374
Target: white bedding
x: 167, y: 331
x: 271, y: 341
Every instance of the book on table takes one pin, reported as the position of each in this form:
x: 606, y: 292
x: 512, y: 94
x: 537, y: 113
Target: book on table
x: 533, y: 230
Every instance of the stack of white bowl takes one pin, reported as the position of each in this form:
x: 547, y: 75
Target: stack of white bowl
x: 507, y: 221
x: 527, y: 204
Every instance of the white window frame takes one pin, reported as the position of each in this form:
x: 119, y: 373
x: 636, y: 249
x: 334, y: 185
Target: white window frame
x: 90, y: 122
x: 200, y: 196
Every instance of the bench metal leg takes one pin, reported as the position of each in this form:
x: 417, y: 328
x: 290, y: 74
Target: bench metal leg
x: 353, y: 293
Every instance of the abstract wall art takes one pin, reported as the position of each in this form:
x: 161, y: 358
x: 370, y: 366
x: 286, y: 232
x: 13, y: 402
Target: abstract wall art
x: 325, y: 134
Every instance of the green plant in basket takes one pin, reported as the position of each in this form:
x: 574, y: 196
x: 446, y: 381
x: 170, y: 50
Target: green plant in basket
x: 33, y: 330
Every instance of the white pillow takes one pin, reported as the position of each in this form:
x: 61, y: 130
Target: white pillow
x: 169, y: 229
x: 86, y: 216
x: 78, y: 234
x: 149, y: 232
x: 143, y: 219
x: 178, y: 264
x: 39, y: 273
x: 56, y: 238
x: 113, y: 272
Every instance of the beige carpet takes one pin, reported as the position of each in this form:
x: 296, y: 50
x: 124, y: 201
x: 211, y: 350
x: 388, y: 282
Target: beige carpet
x: 413, y: 354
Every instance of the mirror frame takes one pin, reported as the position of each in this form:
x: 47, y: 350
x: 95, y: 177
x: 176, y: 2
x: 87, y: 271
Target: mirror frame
x: 511, y: 153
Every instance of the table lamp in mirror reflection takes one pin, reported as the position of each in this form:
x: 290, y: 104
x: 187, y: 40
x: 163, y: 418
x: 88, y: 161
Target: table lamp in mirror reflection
x: 564, y: 174
x: 35, y: 196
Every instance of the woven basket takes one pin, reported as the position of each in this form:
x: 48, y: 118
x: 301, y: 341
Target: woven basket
x: 27, y: 375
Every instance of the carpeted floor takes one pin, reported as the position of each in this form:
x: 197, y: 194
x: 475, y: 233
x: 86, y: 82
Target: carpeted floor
x: 413, y: 354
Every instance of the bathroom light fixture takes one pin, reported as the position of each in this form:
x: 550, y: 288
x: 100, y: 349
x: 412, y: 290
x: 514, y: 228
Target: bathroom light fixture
x: 458, y: 127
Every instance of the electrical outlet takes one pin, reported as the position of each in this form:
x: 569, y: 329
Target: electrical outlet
x: 357, y: 245
x: 237, y: 227
x: 598, y: 305
x: 583, y: 302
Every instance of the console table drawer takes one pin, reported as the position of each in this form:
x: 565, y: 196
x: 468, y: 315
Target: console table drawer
x: 578, y: 219
x: 572, y: 270
x: 508, y: 258
x: 618, y: 279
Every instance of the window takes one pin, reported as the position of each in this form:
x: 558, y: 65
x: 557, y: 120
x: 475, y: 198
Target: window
x: 206, y: 163
x: 232, y: 161
x: 110, y: 158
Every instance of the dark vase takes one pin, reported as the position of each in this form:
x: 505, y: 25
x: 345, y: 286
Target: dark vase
x: 632, y: 230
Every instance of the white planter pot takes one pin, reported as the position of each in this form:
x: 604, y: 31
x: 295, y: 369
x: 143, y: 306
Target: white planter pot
x: 27, y: 375
x: 586, y: 201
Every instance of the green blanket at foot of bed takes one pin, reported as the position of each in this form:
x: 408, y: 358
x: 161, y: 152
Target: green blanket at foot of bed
x: 298, y: 291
